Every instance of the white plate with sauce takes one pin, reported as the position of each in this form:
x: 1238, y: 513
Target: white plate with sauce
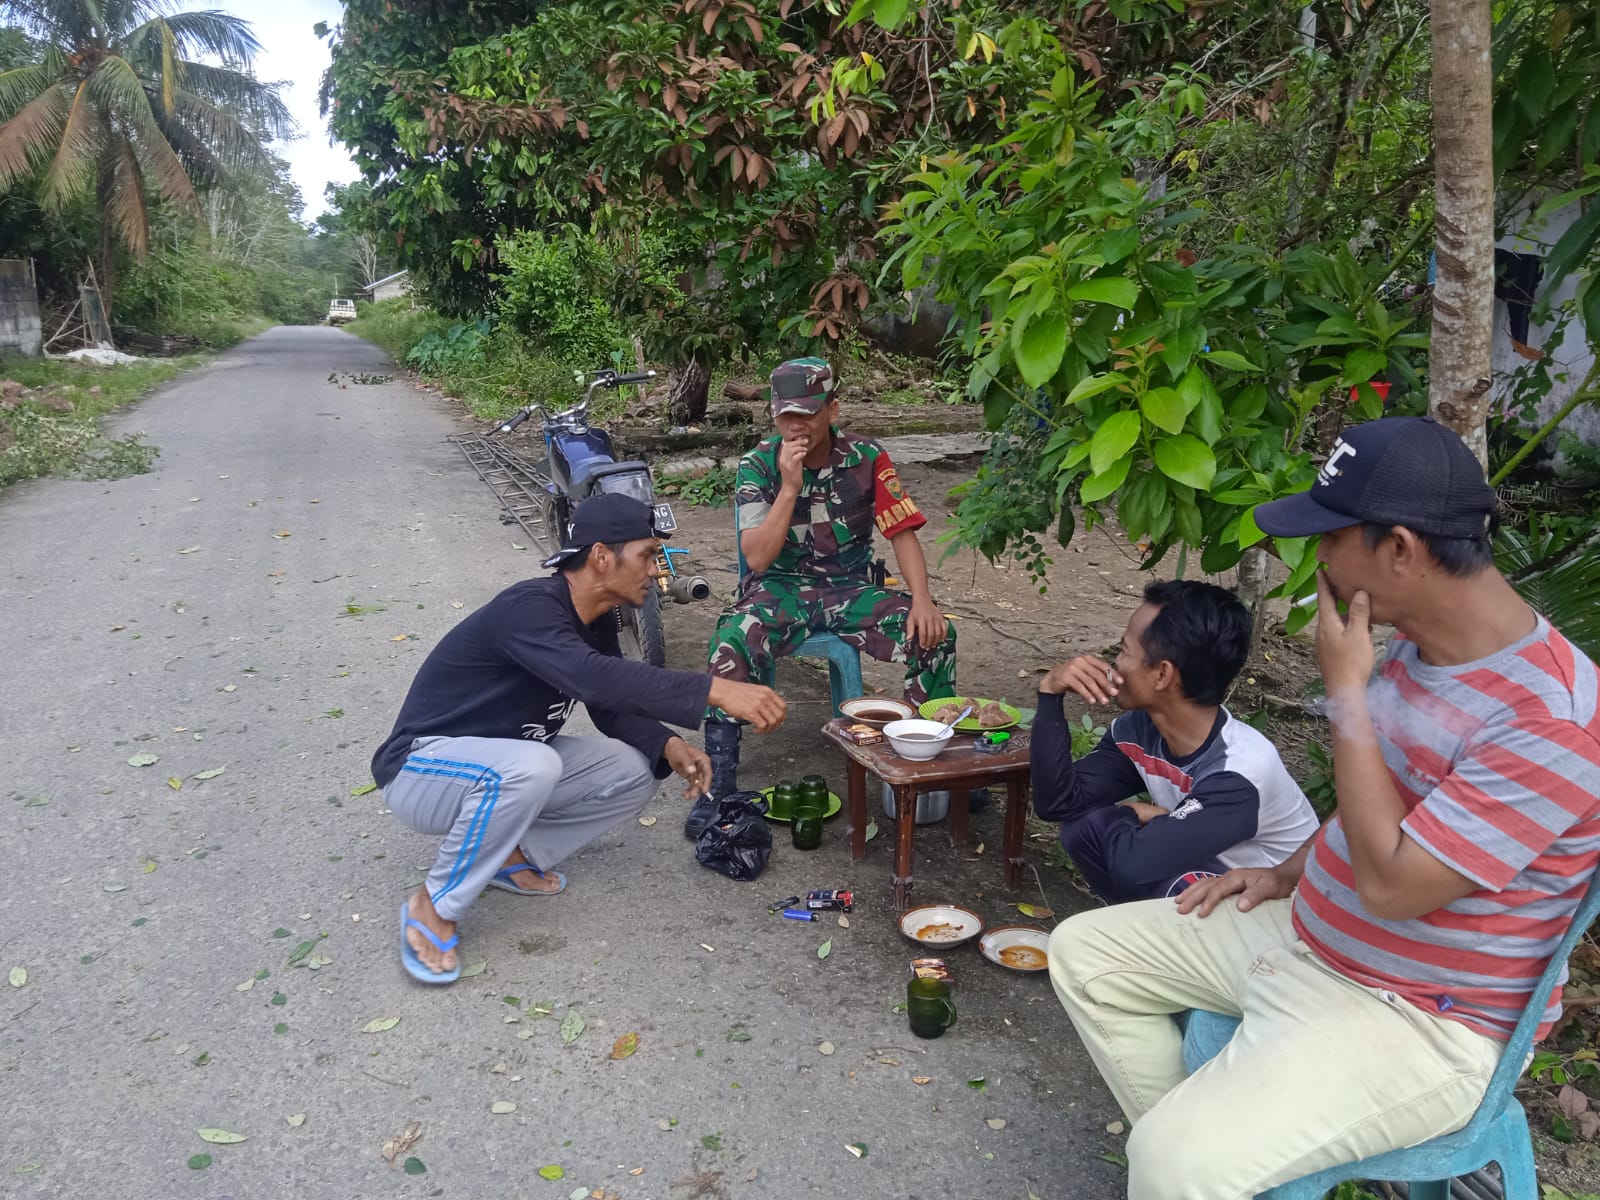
x: 1016, y: 947
x: 940, y: 925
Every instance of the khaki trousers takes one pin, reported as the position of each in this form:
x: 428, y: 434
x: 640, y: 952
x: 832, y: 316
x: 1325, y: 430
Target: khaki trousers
x: 1323, y: 1071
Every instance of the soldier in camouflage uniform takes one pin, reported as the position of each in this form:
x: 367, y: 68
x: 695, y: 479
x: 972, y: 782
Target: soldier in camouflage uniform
x: 807, y: 501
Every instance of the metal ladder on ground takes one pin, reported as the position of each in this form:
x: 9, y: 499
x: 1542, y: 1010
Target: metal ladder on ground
x: 525, y: 492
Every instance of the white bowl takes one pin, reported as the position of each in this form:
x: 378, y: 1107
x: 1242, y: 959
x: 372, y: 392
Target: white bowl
x: 940, y: 925
x: 1016, y: 947
x: 933, y: 737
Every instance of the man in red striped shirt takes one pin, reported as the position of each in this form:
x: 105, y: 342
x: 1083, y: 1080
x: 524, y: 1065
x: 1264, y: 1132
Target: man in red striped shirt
x: 1379, y: 970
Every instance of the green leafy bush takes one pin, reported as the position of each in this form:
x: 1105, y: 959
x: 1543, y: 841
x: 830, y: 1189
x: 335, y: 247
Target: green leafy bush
x: 459, y: 346
x: 552, y: 293
x: 397, y: 325
x: 714, y: 488
x: 489, y: 368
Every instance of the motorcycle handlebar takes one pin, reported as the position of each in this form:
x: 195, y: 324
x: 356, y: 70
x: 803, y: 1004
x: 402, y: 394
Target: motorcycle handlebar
x: 521, y: 416
x: 607, y: 377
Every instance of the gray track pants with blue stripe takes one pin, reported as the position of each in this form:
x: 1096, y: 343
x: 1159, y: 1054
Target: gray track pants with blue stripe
x: 486, y: 796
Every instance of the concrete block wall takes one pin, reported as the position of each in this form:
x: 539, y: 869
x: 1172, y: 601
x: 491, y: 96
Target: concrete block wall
x: 20, y: 333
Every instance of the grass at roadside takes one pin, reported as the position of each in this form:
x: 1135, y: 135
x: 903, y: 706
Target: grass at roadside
x: 489, y: 370
x: 38, y: 437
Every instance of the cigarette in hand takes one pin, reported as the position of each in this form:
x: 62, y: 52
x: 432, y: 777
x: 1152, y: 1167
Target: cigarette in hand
x: 1305, y: 601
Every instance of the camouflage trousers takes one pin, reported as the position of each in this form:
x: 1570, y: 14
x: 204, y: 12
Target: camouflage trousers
x: 772, y: 616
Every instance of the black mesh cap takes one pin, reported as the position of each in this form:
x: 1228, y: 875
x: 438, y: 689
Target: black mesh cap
x: 1409, y: 471
x: 609, y: 517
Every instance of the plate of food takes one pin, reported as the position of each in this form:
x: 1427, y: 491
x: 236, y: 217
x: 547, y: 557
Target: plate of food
x: 834, y: 805
x: 1016, y: 947
x: 986, y: 714
x: 940, y: 924
x: 874, y: 712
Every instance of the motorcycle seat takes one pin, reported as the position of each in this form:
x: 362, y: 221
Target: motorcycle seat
x: 587, y: 481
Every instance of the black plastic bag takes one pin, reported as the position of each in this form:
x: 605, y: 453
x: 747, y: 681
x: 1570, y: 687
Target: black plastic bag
x: 739, y: 842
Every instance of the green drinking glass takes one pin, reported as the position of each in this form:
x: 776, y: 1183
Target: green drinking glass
x: 929, y: 1008
x: 813, y: 791
x: 806, y: 829
x: 784, y: 795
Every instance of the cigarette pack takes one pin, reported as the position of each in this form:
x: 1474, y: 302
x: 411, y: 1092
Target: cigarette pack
x: 862, y: 735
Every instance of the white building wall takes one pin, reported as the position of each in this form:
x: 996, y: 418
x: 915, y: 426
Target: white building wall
x: 1573, y: 354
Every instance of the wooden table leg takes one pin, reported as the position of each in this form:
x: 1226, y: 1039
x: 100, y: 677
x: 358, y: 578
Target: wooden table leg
x: 1016, y: 822
x: 959, y: 832
x: 858, y: 810
x: 905, y: 816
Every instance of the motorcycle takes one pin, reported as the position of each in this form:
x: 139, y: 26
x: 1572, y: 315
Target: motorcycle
x: 580, y: 462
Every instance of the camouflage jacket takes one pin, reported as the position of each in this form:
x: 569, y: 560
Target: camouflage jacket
x: 830, y: 532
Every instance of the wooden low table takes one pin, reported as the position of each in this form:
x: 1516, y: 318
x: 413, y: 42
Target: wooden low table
x: 958, y: 769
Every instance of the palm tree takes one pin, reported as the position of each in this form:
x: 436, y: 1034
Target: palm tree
x: 116, y: 103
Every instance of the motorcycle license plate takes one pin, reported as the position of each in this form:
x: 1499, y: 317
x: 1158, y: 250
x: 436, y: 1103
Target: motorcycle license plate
x: 664, y: 520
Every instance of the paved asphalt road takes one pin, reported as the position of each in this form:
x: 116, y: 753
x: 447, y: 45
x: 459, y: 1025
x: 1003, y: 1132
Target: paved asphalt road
x: 199, y: 615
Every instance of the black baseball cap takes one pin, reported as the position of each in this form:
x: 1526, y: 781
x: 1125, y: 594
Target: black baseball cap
x: 609, y: 517
x: 1409, y: 471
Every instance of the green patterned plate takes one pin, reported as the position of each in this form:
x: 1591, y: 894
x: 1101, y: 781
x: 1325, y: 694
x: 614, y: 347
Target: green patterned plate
x: 970, y: 725
x: 834, y: 805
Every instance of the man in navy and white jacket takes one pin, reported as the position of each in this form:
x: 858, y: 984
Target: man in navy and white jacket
x: 1219, y: 795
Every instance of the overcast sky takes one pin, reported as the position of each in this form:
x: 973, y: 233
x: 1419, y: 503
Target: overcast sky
x: 292, y: 54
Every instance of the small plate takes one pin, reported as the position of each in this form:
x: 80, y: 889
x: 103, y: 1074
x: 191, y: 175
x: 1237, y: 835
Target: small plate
x: 939, y: 926
x: 1016, y: 947
x: 834, y: 805
x: 970, y: 724
x: 859, y: 710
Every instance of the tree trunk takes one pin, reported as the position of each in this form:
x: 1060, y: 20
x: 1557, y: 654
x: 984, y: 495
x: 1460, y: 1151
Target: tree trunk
x: 1255, y: 581
x: 105, y: 268
x: 689, y: 393
x: 1463, y: 297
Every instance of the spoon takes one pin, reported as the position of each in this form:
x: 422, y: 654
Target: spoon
x: 959, y: 717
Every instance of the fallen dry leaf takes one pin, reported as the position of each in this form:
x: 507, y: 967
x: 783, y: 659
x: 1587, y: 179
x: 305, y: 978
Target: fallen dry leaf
x: 647, y: 821
x: 402, y: 1141
x: 625, y: 1045
x: 887, y: 1061
x: 222, y: 1137
x: 921, y: 1079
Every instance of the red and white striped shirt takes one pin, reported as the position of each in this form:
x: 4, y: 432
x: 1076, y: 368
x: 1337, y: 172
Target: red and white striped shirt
x: 1498, y: 762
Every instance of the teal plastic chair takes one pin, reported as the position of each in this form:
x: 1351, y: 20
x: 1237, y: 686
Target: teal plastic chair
x: 1498, y: 1131
x: 844, y: 660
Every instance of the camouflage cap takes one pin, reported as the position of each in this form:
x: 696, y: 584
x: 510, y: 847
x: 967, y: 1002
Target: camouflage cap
x: 802, y: 385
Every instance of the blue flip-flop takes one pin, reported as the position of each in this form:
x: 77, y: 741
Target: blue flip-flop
x: 415, y: 967
x: 502, y: 880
